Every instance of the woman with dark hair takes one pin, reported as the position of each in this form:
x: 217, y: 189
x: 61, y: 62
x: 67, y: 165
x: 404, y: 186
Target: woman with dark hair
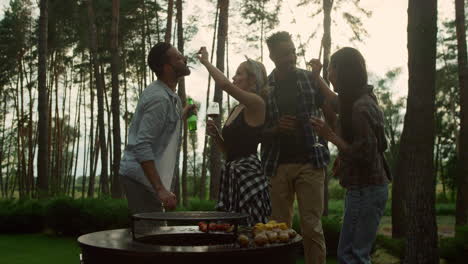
x: 360, y: 138
x: 243, y: 185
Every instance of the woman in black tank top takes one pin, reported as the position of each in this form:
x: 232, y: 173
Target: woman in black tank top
x: 240, y: 139
x: 243, y: 186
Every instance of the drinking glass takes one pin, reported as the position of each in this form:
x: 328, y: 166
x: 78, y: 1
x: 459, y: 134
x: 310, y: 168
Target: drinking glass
x: 213, y: 110
x: 317, y: 143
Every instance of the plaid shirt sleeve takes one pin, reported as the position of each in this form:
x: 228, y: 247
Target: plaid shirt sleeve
x: 270, y: 148
x: 309, y: 102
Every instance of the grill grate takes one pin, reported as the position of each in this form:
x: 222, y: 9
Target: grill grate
x: 146, y: 225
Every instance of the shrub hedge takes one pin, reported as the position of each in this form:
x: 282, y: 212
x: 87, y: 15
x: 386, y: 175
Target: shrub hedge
x: 62, y: 215
x: 73, y: 217
x: 24, y: 216
x: 455, y: 249
x: 336, y: 207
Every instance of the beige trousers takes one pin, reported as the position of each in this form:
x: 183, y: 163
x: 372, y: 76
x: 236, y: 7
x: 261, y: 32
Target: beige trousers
x: 307, y: 183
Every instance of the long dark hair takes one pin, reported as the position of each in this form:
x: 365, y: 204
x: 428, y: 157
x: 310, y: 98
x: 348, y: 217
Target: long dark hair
x: 350, y: 68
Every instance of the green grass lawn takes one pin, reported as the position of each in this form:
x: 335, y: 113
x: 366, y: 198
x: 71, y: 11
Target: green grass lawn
x: 38, y: 249
x: 46, y: 249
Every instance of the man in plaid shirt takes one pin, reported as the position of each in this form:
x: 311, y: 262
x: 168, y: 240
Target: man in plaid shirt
x: 292, y: 154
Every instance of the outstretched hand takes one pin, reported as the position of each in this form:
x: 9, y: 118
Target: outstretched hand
x: 321, y: 128
x: 202, y: 55
x: 316, y: 66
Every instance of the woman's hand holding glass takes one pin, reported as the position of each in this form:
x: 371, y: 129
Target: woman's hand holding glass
x: 322, y: 129
x: 212, y: 129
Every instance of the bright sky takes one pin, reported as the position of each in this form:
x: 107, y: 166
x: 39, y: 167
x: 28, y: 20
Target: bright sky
x: 384, y: 49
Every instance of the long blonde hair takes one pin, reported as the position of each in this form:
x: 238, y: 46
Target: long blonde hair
x: 258, y: 71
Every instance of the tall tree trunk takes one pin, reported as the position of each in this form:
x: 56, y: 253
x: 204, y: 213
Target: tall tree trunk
x: 150, y: 45
x: 215, y: 155
x: 115, y: 68
x: 85, y: 146
x: 399, y: 209
x: 2, y: 143
x: 326, y: 41
x: 66, y: 138
x: 262, y: 32
x: 77, y: 136
x: 58, y: 135
x: 416, y: 159
x: 74, y: 139
x: 100, y: 97
x: 462, y: 179
x: 170, y: 11
x: 125, y: 94
x: 109, y: 141
x: 31, y: 144
x: 144, y: 68
x: 227, y: 71
x: 193, y: 139
x: 8, y: 171
x: 205, y: 141
x: 109, y: 127
x: 24, y: 171
x: 182, y: 95
x: 19, y: 152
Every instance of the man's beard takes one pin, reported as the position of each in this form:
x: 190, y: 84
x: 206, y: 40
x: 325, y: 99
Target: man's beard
x: 181, y: 72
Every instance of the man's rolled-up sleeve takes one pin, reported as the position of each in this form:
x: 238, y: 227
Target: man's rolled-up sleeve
x: 151, y: 127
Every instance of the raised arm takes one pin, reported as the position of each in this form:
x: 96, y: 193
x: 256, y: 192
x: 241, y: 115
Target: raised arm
x: 328, y: 94
x: 252, y: 102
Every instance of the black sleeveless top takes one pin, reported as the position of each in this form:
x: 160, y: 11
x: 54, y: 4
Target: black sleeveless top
x: 240, y: 139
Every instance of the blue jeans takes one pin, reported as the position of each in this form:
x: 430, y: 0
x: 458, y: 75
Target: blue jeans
x: 364, y: 208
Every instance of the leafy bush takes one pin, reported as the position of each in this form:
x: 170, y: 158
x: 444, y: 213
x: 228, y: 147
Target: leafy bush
x: 296, y: 224
x: 336, y: 207
x: 63, y: 216
x: 67, y: 216
x: 388, y: 208
x: 455, y: 249
x: 331, y: 230
x: 335, y: 191
x: 21, y: 216
x: 445, y: 208
x: 445, y: 197
x: 395, y: 247
x: 196, y: 204
x: 74, y: 217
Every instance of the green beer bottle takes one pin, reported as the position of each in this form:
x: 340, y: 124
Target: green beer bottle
x: 192, y: 119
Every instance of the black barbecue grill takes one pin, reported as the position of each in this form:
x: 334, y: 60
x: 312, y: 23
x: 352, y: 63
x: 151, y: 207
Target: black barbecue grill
x: 173, y: 238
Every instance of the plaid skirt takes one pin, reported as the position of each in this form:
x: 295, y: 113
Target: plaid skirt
x: 244, y: 189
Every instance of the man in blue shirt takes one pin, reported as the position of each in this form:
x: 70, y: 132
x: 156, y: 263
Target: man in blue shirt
x: 151, y: 155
